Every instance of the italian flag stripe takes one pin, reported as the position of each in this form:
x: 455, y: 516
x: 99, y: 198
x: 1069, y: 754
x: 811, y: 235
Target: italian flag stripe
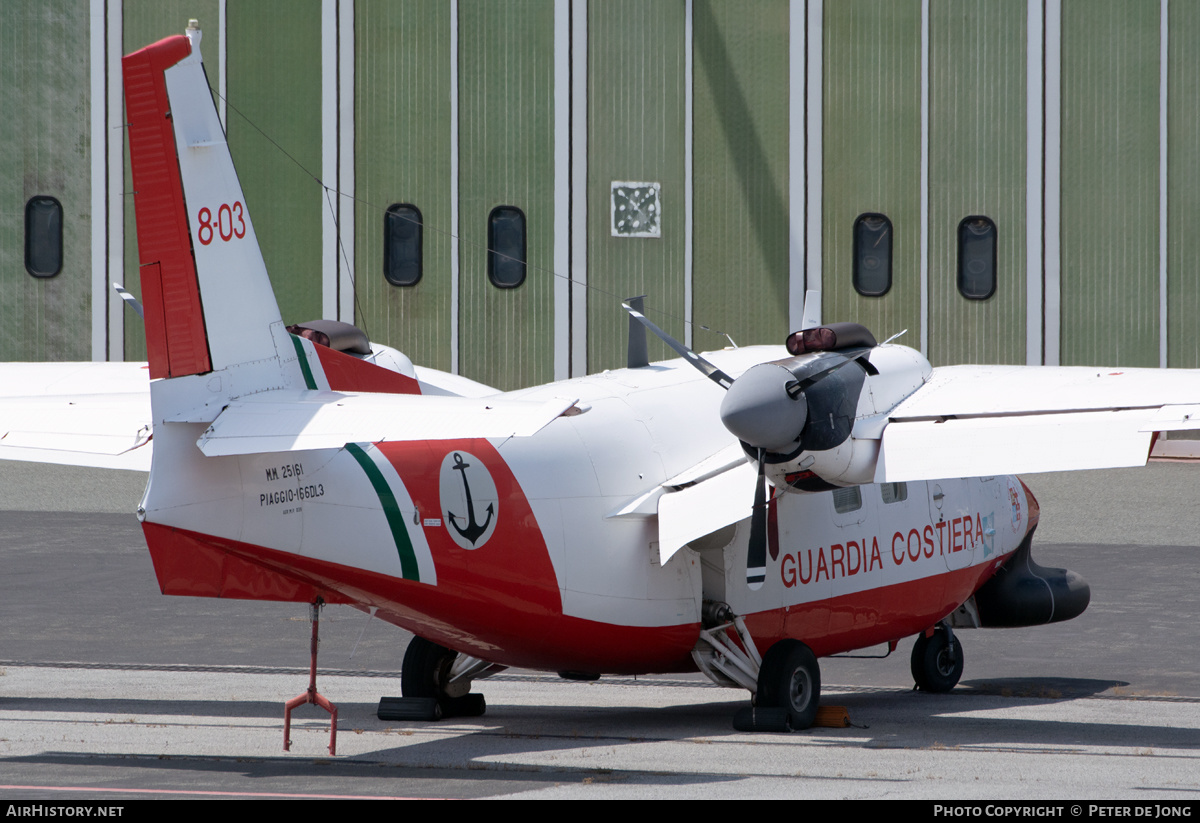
x: 391, y: 510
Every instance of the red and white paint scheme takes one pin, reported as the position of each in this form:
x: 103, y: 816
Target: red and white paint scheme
x: 741, y: 512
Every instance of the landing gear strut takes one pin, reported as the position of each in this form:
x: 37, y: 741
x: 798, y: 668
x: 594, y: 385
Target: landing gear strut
x: 937, y: 661
x: 786, y: 682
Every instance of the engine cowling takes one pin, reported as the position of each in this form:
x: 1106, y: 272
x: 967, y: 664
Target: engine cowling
x: 814, y: 419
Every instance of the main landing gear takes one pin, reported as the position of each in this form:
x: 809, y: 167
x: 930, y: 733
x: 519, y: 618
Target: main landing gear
x: 786, y: 682
x: 790, y: 679
x: 937, y: 660
x: 436, y: 683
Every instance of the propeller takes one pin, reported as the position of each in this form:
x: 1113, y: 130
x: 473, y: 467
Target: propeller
x: 756, y: 553
x: 767, y: 408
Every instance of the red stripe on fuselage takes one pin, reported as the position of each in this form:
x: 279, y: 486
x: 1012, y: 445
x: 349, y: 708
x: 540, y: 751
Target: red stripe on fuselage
x: 481, y: 618
x: 478, y: 617
x: 866, y: 618
x: 196, y: 565
x: 346, y: 373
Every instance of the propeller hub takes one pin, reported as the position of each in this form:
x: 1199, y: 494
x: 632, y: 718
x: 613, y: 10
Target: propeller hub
x: 763, y: 409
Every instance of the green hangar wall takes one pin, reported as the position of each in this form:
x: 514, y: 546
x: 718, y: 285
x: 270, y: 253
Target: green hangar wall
x: 480, y: 182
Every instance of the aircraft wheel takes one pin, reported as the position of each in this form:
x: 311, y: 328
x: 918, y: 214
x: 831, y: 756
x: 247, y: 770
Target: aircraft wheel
x: 790, y: 678
x: 936, y: 666
x: 426, y: 669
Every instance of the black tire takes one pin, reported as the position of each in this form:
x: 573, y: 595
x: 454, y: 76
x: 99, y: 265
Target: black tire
x: 790, y: 678
x: 936, y: 667
x: 426, y: 669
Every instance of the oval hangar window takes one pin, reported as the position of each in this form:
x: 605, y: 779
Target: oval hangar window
x: 872, y: 254
x: 977, y: 257
x: 402, y: 244
x: 43, y: 236
x: 506, y: 247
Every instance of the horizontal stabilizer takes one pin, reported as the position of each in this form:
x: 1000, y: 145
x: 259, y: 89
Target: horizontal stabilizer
x: 302, y: 420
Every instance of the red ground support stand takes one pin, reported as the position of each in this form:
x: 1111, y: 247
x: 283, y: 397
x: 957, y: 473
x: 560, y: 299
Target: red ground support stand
x: 312, y: 695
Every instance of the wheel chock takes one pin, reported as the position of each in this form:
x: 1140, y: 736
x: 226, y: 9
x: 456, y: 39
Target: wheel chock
x: 765, y: 719
x: 471, y: 704
x: 832, y: 717
x: 409, y: 708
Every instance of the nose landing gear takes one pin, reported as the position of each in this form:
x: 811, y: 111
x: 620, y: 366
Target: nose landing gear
x: 937, y: 661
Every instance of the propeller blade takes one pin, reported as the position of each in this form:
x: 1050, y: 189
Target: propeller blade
x: 797, y: 386
x: 756, y: 553
x: 707, y: 369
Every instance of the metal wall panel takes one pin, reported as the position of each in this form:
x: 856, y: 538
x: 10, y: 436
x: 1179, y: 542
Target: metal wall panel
x: 45, y: 150
x: 274, y: 80
x: 506, y: 157
x: 740, y: 164
x: 402, y: 155
x: 146, y: 22
x: 1183, y: 186
x: 1110, y: 288
x: 635, y: 134
x: 977, y: 167
x: 872, y: 139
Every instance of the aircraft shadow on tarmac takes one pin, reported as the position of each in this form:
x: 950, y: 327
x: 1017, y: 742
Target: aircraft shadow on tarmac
x: 265, y: 770
x: 879, y: 717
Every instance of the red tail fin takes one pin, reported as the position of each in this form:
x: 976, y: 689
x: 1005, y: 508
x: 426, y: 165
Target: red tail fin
x: 175, y: 335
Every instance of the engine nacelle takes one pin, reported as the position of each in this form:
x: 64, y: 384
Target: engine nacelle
x: 850, y: 463
x: 815, y: 419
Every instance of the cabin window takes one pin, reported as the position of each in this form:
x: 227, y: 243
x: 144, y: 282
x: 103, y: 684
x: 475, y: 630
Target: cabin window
x: 43, y: 236
x: 402, y: 244
x: 847, y: 500
x: 872, y: 255
x: 893, y: 492
x: 506, y: 247
x: 977, y: 258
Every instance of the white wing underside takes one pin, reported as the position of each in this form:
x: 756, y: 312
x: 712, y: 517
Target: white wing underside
x: 971, y: 421
x: 82, y: 414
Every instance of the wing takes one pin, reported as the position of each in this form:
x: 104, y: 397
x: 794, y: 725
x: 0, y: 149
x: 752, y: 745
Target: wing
x: 980, y: 420
x: 81, y: 414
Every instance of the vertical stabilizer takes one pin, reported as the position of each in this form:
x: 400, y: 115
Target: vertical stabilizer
x: 175, y: 338
x: 208, y: 299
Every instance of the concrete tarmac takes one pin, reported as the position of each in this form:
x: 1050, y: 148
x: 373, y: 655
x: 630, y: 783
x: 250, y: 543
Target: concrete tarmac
x: 110, y: 691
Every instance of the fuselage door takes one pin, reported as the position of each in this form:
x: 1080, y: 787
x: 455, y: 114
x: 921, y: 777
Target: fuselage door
x: 956, y: 521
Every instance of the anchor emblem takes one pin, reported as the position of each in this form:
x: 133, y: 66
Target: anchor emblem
x: 474, y: 529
